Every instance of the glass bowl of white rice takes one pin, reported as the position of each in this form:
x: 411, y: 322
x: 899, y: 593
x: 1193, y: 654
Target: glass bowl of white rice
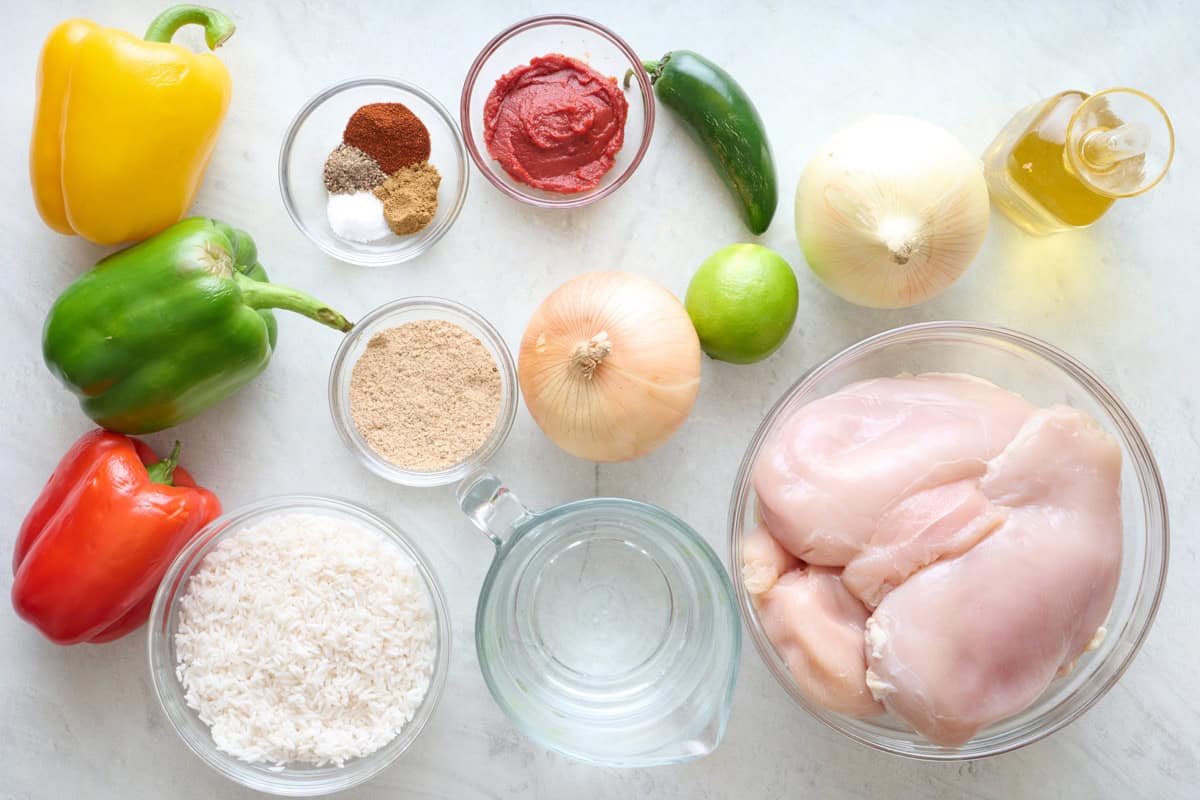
x: 299, y: 644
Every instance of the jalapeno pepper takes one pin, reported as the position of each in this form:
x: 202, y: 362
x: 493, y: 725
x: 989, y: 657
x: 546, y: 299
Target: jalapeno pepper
x: 719, y: 115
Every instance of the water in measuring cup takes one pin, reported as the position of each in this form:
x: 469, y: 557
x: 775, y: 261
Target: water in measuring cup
x: 609, y: 633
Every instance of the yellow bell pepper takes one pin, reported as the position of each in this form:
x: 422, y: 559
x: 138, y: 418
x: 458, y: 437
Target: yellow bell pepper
x: 124, y: 127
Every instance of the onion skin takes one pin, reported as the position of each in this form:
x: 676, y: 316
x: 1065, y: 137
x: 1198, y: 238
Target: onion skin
x: 890, y: 211
x: 609, y: 366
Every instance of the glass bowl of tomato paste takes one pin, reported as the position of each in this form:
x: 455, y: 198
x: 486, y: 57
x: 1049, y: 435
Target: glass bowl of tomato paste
x: 549, y: 115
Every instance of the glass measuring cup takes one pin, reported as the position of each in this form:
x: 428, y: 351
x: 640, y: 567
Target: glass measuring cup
x: 606, y: 628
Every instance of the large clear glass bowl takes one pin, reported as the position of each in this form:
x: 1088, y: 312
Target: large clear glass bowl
x: 588, y: 41
x: 291, y: 781
x: 1044, y: 375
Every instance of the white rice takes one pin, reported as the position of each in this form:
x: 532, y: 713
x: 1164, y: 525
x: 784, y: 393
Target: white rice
x: 305, y: 639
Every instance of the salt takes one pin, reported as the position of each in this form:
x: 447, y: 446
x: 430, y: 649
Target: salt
x: 357, y: 217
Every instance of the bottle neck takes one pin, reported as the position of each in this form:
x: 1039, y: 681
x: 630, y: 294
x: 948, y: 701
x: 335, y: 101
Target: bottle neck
x: 1119, y: 143
x: 1101, y: 150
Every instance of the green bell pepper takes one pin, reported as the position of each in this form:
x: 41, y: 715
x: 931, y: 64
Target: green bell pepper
x: 158, y: 332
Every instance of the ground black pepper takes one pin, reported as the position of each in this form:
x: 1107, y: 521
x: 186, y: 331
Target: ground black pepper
x: 349, y: 170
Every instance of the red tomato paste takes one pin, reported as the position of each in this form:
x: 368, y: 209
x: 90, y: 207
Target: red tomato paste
x: 555, y: 124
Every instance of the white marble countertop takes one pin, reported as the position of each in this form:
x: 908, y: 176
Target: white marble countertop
x: 82, y: 722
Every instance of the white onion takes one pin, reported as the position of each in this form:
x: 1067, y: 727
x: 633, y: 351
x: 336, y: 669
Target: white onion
x: 890, y: 211
x: 610, y: 366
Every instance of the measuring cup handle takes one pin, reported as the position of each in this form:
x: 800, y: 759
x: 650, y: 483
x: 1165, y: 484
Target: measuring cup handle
x: 494, y: 509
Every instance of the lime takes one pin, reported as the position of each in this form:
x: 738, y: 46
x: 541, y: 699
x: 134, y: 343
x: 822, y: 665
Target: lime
x: 743, y: 302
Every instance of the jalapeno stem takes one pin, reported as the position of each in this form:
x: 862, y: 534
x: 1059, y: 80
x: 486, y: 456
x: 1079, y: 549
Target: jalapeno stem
x: 217, y: 26
x: 653, y: 69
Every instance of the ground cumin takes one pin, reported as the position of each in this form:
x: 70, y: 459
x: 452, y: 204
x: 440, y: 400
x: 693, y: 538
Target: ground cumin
x: 410, y: 197
x: 425, y: 395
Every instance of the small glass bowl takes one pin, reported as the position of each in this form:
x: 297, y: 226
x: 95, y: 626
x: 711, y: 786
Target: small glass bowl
x: 317, y: 130
x: 1044, y: 375
x: 298, y: 781
x: 390, y: 315
x: 579, y: 38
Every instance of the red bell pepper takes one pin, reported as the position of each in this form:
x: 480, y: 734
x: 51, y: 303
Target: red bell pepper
x: 99, y: 538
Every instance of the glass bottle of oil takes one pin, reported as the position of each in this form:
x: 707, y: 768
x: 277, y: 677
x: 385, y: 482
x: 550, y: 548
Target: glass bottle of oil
x: 1061, y: 163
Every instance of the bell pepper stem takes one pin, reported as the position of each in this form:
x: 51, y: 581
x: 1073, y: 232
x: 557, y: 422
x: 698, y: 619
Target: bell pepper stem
x: 217, y: 26
x: 164, y: 471
x: 258, y: 294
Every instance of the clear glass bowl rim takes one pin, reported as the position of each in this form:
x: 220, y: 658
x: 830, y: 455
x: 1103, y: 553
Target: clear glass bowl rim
x: 449, y: 309
x: 381, y: 259
x: 1154, y: 571
x: 483, y: 162
x: 165, y: 607
x: 537, y: 518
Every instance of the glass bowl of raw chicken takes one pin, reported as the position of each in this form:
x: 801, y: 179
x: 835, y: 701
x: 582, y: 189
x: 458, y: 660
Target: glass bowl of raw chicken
x: 951, y: 538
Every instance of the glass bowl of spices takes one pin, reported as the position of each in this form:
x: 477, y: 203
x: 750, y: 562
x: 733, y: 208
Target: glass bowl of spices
x: 423, y: 390
x: 373, y: 171
x: 299, y: 644
x: 546, y: 118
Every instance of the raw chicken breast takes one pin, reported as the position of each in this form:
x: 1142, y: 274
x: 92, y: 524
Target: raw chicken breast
x: 972, y: 640
x: 824, y: 480
x: 817, y: 627
x: 764, y: 560
x: 931, y: 524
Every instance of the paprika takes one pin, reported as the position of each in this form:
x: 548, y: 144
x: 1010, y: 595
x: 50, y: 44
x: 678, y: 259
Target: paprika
x: 389, y: 133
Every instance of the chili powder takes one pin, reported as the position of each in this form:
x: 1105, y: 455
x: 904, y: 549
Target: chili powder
x: 389, y: 133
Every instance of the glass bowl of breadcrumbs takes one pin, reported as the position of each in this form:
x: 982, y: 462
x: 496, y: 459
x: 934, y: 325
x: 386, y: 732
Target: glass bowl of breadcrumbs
x: 423, y: 390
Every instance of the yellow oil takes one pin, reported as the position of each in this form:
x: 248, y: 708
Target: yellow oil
x: 1029, y: 175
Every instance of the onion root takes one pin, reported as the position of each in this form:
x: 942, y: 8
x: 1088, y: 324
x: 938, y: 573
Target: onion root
x: 589, y: 354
